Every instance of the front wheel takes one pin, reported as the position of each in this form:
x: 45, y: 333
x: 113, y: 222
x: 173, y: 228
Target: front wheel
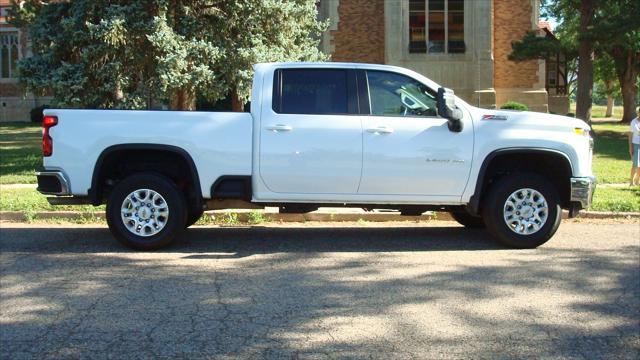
x: 522, y: 210
x: 146, y: 211
x: 193, y: 217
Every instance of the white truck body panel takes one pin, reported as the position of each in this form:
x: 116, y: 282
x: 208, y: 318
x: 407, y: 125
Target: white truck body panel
x: 320, y: 158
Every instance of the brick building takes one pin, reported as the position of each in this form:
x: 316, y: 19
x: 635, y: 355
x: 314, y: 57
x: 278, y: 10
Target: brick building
x: 15, y: 104
x: 462, y: 44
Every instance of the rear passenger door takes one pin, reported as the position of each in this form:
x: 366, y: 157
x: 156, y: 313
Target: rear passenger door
x: 311, y: 136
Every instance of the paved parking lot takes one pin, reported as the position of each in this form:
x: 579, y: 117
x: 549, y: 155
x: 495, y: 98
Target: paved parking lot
x: 398, y: 291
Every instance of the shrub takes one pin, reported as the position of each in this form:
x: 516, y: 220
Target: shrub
x: 571, y: 114
x: 36, y: 113
x: 512, y: 105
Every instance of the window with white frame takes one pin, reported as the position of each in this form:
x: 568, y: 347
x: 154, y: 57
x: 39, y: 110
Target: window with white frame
x: 4, y: 14
x: 436, y: 26
x: 9, y: 54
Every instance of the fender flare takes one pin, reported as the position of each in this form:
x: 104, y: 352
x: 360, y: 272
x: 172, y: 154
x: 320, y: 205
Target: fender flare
x: 95, y: 192
x: 474, y: 202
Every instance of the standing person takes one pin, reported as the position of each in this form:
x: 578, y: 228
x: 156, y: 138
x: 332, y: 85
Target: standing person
x: 634, y: 149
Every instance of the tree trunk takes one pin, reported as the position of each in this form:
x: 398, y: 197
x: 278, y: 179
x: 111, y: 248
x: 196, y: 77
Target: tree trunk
x: 627, y: 70
x: 585, y: 64
x: 608, y: 88
x: 236, y: 104
x: 609, y: 112
x: 183, y: 99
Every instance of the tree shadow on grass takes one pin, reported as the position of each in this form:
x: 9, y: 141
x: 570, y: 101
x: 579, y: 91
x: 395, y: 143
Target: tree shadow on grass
x: 612, y: 145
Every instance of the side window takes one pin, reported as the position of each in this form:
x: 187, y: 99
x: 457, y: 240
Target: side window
x: 310, y: 91
x: 393, y: 94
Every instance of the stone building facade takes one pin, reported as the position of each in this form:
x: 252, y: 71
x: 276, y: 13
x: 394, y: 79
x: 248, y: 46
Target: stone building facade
x: 461, y: 44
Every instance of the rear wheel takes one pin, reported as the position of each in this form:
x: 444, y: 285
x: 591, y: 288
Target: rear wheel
x: 146, y: 211
x: 468, y: 220
x: 522, y: 210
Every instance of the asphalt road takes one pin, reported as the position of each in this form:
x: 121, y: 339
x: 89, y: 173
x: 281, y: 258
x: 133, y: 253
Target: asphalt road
x: 399, y: 291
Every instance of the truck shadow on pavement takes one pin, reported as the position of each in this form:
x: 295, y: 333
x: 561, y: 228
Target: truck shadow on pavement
x: 246, y: 241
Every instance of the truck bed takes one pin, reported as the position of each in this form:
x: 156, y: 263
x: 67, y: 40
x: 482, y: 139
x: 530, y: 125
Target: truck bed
x: 218, y: 142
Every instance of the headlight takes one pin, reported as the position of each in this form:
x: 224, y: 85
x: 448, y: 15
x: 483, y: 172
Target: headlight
x: 581, y: 131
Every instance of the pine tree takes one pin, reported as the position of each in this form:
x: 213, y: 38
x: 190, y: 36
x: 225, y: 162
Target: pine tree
x: 123, y: 54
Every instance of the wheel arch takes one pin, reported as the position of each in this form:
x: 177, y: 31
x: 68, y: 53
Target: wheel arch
x: 490, y: 168
x: 108, y: 156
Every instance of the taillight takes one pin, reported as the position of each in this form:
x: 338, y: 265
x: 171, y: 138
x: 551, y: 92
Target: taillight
x: 47, y: 142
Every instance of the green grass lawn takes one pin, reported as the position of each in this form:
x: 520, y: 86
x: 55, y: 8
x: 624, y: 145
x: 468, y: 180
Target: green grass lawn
x: 616, y: 199
x: 599, y: 111
x: 29, y: 200
x: 611, y: 161
x: 20, y: 152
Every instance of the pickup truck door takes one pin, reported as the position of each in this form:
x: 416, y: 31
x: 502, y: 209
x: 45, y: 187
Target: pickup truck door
x: 310, y: 134
x: 408, y: 148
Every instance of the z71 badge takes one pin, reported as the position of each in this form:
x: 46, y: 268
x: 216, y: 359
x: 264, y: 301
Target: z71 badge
x: 494, y: 117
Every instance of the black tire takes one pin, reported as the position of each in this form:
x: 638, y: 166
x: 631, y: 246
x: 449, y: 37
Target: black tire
x: 467, y: 220
x: 173, y: 199
x: 193, y: 217
x: 494, y: 206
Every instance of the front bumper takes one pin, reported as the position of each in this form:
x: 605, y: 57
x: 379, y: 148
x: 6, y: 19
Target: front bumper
x: 582, y: 189
x: 53, y: 182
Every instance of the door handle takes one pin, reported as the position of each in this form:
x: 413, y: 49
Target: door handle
x: 381, y: 130
x: 279, y: 128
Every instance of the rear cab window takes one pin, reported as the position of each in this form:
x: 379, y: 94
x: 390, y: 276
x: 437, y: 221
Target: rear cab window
x: 314, y: 91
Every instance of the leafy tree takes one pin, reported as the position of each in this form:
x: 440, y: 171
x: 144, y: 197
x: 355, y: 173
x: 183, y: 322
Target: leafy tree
x: 532, y: 46
x: 576, y: 18
x: 124, y: 54
x: 606, y: 83
x: 617, y: 32
x: 254, y: 31
x: 591, y: 28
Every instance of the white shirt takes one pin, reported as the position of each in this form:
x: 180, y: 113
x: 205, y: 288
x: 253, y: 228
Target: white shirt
x: 635, y: 129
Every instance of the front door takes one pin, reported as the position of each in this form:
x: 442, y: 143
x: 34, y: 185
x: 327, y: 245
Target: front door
x: 408, y: 148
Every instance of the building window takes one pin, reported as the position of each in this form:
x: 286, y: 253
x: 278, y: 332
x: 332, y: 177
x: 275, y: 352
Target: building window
x: 436, y: 26
x: 9, y: 54
x: 4, y: 14
x: 552, y: 78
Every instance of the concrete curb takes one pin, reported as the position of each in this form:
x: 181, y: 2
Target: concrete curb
x: 243, y: 216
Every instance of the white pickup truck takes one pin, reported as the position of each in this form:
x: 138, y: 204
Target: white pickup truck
x: 323, y: 134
